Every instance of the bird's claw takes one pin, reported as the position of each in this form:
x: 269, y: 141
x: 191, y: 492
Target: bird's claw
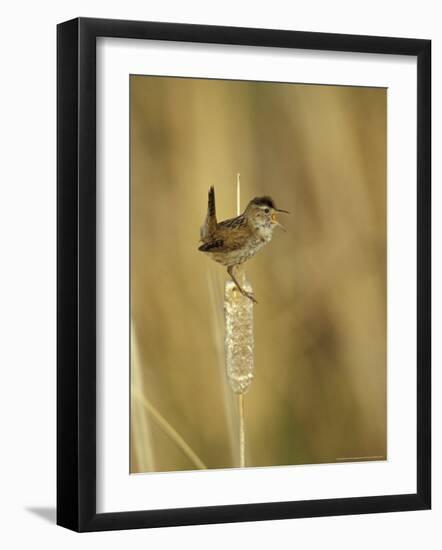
x: 251, y: 296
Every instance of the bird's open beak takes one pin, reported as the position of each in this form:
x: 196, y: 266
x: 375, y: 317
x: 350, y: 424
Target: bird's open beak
x: 281, y: 210
x: 276, y: 222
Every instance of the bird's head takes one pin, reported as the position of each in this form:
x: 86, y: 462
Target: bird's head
x: 262, y: 211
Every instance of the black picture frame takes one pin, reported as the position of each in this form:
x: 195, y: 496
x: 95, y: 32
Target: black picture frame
x: 77, y: 287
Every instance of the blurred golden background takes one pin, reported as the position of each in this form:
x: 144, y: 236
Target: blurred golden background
x: 319, y: 393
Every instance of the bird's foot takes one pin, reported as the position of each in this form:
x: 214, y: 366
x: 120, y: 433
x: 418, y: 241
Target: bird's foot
x: 250, y: 295
x: 245, y: 293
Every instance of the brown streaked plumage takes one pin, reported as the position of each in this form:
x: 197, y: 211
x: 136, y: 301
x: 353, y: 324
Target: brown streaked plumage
x: 233, y: 241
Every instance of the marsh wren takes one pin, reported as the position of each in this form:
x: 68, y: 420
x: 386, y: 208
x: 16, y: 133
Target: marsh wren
x: 232, y: 242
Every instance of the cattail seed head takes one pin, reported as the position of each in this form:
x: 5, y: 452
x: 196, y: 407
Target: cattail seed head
x: 238, y: 313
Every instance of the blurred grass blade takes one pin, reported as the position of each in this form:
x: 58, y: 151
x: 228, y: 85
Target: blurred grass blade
x: 169, y: 430
x: 142, y: 448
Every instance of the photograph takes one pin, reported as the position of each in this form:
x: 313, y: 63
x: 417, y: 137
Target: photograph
x: 258, y: 265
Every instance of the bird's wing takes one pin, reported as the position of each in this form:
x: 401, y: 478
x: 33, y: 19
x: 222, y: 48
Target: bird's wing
x: 239, y: 222
x: 230, y: 235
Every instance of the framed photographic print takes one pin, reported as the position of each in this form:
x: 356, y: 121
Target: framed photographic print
x: 243, y: 274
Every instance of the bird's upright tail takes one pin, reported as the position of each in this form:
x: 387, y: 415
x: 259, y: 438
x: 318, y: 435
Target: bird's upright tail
x: 211, y: 208
x: 209, y: 226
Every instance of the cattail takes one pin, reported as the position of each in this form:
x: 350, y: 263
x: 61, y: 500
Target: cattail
x: 238, y: 314
x: 238, y: 341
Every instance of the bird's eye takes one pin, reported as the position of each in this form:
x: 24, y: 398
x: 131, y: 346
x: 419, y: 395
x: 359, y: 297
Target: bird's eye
x: 266, y: 210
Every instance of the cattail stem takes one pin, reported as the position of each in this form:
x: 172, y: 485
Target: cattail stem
x: 238, y: 341
x: 238, y: 312
x: 242, y: 432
